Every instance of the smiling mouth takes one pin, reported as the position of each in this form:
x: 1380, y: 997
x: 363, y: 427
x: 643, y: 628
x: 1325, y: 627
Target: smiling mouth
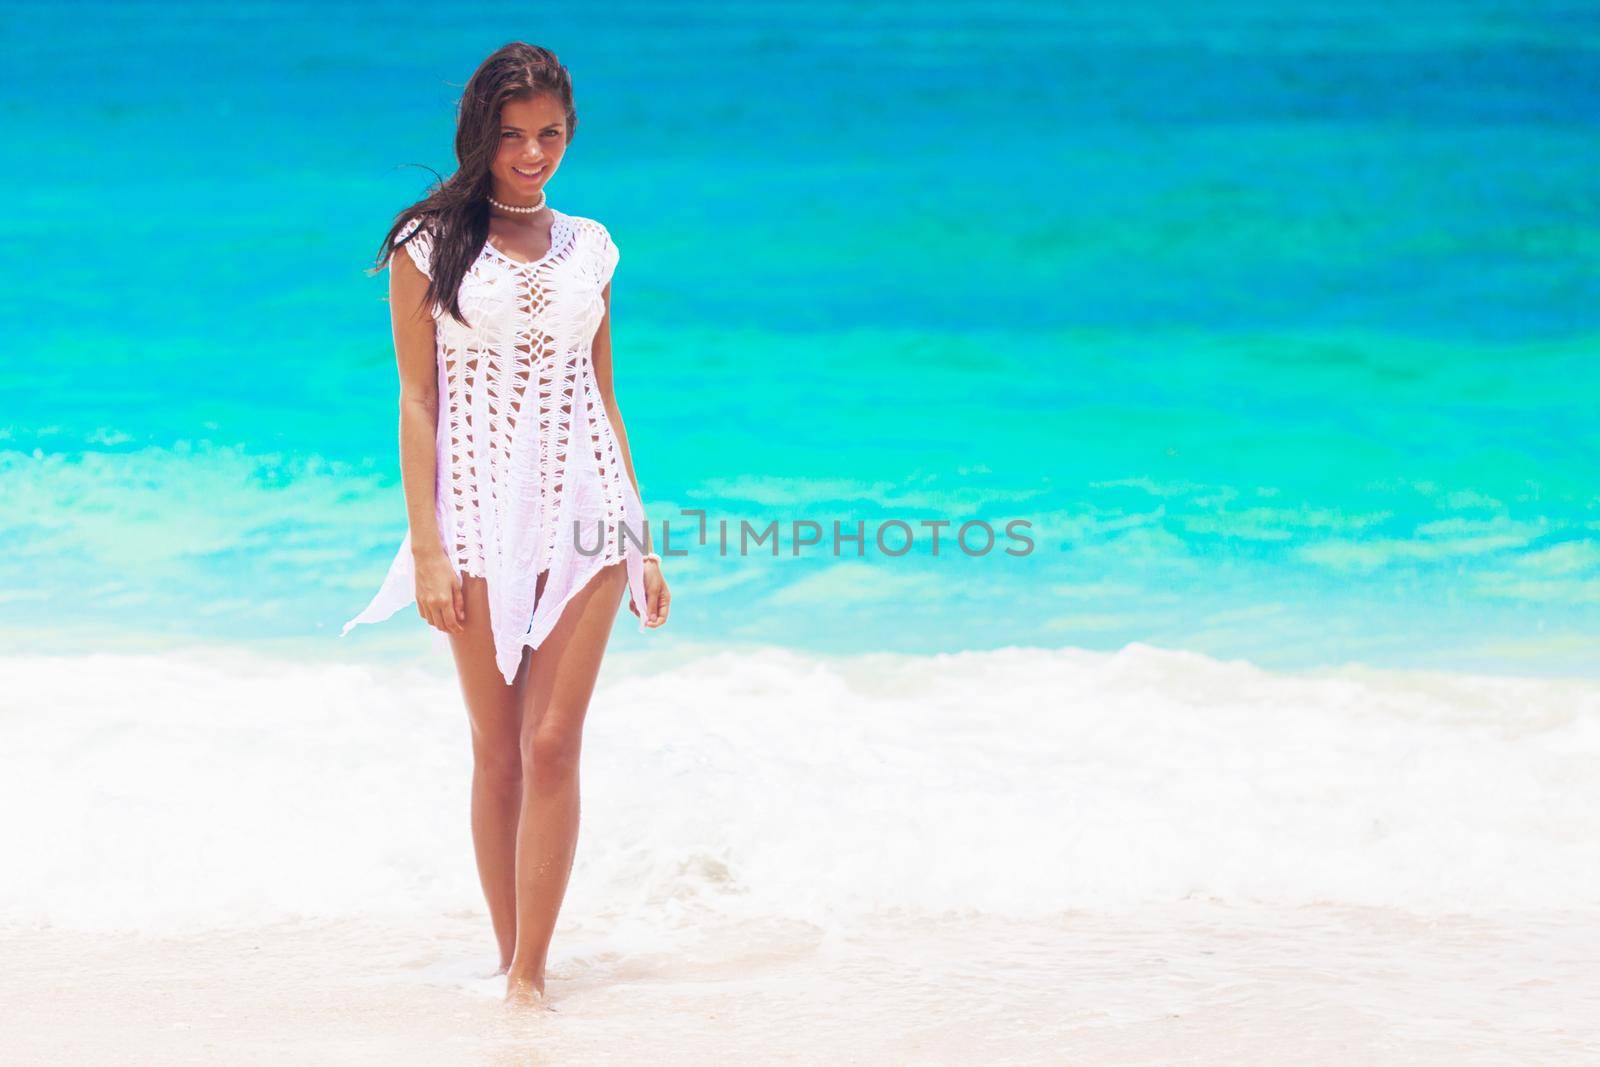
x: 525, y: 174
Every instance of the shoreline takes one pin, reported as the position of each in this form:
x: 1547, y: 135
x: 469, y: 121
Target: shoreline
x: 1198, y: 981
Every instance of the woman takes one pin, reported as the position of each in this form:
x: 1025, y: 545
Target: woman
x: 524, y: 511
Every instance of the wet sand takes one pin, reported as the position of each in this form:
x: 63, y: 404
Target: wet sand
x: 1198, y: 982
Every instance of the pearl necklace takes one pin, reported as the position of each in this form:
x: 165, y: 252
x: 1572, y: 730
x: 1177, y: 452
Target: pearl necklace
x: 519, y: 210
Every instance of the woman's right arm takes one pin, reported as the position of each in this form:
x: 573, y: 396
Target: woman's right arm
x: 439, y: 599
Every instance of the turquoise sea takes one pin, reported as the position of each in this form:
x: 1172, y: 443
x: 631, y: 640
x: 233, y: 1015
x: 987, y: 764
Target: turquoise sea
x: 1278, y: 325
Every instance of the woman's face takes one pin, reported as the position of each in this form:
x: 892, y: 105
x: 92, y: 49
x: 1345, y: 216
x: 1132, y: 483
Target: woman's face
x: 533, y: 137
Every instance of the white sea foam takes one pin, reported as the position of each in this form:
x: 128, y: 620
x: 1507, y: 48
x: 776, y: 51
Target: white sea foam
x: 158, y: 792
x: 1020, y: 856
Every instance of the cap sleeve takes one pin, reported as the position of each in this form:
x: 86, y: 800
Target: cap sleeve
x: 608, y: 257
x: 420, y: 246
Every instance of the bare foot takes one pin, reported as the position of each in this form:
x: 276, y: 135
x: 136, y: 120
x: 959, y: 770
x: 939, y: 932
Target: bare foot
x: 523, y: 993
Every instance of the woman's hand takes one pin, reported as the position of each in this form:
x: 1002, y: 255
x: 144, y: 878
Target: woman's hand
x: 656, y: 597
x: 439, y: 598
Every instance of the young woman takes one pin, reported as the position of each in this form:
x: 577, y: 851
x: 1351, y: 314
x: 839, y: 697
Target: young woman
x: 525, y: 516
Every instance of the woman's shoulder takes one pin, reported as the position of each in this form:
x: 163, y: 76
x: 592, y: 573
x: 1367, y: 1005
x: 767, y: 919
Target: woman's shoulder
x: 418, y: 244
x: 600, y: 249
x: 422, y: 219
x: 592, y: 227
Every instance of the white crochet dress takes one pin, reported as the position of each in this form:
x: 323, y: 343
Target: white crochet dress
x: 526, y: 452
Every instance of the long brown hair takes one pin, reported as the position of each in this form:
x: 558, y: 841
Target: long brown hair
x: 456, y: 209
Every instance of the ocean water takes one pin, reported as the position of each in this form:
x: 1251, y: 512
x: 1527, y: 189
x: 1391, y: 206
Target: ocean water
x: 1273, y: 327
x: 1276, y: 327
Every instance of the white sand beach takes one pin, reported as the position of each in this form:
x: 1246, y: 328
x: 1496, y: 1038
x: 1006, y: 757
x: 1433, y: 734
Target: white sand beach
x: 1020, y: 856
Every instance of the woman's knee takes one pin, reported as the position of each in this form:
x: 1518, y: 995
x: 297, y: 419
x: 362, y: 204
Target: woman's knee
x: 550, y: 752
x: 498, y: 764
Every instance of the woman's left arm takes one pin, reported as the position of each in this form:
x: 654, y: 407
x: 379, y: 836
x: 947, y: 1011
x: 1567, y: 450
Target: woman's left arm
x: 602, y: 360
x: 601, y: 355
x: 657, y: 598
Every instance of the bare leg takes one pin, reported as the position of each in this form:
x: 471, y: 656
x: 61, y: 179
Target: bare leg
x: 495, y: 712
x: 561, y: 678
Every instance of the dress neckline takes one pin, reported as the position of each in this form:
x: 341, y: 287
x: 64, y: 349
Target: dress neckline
x: 558, y: 240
